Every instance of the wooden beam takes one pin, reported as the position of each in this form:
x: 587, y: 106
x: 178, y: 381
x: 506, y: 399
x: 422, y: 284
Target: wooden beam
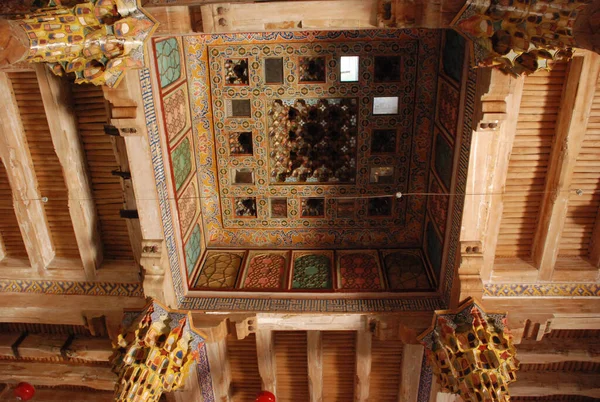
x: 510, y: 90
x: 594, y: 250
x: 551, y: 350
x: 364, y: 341
x: 412, y: 359
x: 29, y: 209
x: 56, y: 374
x: 265, y: 353
x: 312, y: 322
x: 294, y: 15
x: 173, y: 20
x: 67, y: 144
x: 314, y: 353
x: 215, y: 329
x: 548, y: 383
x: 571, y: 127
x: 51, y: 346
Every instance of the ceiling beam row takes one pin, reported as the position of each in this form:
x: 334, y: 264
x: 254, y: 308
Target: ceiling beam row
x: 27, y: 200
x: 70, y: 152
x: 571, y: 128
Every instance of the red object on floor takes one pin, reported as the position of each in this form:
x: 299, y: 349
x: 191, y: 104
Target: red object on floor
x: 265, y: 396
x: 24, y: 391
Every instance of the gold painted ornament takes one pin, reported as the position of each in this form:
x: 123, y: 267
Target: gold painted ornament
x: 97, y: 41
x: 519, y: 37
x: 154, y: 358
x: 471, y: 353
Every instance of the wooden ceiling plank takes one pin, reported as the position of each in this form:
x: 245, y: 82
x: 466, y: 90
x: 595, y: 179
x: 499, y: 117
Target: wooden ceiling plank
x: 547, y: 383
x: 29, y: 210
x: 362, y: 381
x: 67, y: 144
x: 412, y: 359
x: 265, y: 353
x: 594, y: 248
x: 56, y: 374
x: 2, y: 248
x: 314, y: 353
x: 571, y: 127
x: 559, y: 350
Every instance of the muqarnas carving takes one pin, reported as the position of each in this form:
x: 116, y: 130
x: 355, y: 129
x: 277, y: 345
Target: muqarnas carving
x: 383, y: 141
x: 240, y: 143
x: 313, y: 140
x: 245, y: 207
x: 312, y: 69
x: 236, y: 71
x: 380, y: 206
x: 313, y: 207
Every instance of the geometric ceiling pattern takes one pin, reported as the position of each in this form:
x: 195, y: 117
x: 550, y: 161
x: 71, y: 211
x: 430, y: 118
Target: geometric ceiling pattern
x: 297, y: 145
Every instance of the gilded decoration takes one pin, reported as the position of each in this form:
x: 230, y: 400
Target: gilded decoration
x: 155, y: 353
x: 97, y: 41
x: 471, y: 353
x: 282, y: 186
x: 519, y: 37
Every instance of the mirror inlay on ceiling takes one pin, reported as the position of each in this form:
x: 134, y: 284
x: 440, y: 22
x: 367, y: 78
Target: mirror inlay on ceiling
x: 301, y: 142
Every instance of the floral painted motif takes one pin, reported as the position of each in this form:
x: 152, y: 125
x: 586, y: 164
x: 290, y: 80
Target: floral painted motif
x: 168, y: 58
x: 219, y: 270
x: 182, y: 162
x: 405, y: 270
x: 177, y: 112
x: 359, y: 271
x: 438, y: 204
x: 265, y: 271
x: 448, y: 104
x: 193, y: 247
x: 312, y: 271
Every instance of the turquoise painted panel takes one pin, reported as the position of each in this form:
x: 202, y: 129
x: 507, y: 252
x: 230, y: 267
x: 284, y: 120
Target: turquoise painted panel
x: 169, y: 61
x: 192, y: 250
x: 182, y: 162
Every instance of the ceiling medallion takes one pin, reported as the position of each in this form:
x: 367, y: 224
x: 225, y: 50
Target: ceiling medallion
x: 471, y: 353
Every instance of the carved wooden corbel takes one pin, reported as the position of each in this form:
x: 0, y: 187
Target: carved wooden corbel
x: 470, y: 268
x: 154, y: 261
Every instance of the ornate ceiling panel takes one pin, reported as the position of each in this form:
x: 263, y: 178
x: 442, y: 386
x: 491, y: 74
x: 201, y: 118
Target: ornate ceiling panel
x: 307, y: 153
